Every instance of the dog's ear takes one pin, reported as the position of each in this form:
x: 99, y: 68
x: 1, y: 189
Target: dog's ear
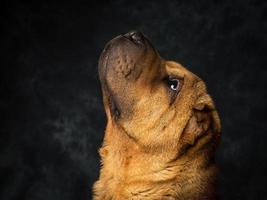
x: 204, y: 119
x: 204, y: 105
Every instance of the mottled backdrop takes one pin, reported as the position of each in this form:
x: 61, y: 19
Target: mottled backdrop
x: 51, y: 113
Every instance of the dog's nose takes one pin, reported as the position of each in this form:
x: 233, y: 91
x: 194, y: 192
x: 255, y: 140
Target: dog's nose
x: 135, y: 36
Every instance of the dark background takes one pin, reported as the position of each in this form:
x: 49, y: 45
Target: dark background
x: 52, y: 119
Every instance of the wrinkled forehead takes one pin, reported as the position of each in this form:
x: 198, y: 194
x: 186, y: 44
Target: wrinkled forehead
x: 176, y: 69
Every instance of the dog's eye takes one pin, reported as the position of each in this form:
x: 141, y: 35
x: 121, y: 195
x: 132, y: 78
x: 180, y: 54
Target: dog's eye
x: 173, y: 83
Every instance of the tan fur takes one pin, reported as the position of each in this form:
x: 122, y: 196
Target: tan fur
x: 161, y: 151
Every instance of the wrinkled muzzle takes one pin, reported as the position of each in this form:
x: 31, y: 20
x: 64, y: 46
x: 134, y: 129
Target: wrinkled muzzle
x: 122, y: 65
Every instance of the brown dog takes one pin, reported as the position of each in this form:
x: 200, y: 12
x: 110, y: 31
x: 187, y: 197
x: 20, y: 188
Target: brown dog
x: 162, y: 128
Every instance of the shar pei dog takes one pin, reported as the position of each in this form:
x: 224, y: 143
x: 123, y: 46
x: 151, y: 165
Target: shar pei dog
x: 162, y: 126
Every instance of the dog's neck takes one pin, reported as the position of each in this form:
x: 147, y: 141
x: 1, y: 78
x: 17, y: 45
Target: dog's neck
x: 129, y: 171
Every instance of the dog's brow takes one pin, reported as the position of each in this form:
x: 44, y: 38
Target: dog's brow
x: 178, y: 71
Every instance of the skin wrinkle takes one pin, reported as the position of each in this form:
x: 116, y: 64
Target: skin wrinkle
x: 160, y: 150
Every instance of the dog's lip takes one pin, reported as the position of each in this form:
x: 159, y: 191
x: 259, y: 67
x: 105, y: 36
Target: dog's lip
x: 108, y: 46
x: 115, y: 112
x: 104, y: 62
x: 105, y: 52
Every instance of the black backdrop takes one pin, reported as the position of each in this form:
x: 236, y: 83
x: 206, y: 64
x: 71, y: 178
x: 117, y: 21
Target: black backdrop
x: 52, y: 119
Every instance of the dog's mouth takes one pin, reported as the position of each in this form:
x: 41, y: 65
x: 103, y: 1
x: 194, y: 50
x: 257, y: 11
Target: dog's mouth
x: 123, y: 61
x: 114, y: 110
x: 123, y: 55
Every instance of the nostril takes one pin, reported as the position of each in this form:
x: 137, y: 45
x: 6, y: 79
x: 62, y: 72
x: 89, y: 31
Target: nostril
x: 135, y: 36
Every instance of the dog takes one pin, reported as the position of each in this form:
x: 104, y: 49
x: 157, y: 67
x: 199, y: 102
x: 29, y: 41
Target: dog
x: 162, y: 126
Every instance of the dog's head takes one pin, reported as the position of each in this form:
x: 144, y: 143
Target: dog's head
x: 159, y: 104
